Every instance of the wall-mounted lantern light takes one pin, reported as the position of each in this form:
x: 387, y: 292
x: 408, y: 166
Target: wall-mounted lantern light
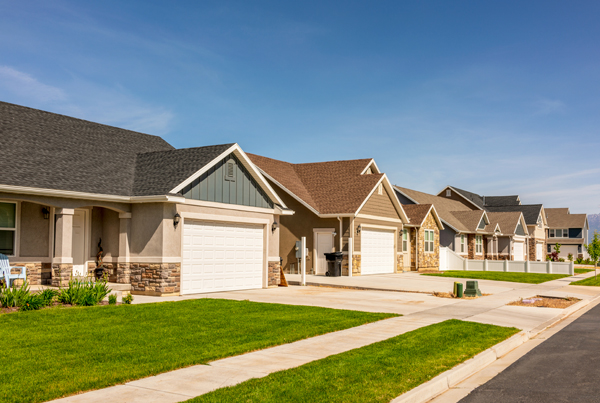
x: 176, y: 219
x: 358, y: 229
x: 274, y: 226
x: 46, y: 213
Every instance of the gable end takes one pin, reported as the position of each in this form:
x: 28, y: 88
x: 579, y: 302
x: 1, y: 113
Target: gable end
x: 228, y: 182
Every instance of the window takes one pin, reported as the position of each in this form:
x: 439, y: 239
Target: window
x: 462, y: 244
x: 429, y: 237
x: 8, y: 228
x: 558, y: 233
x: 549, y: 248
x: 405, y: 240
x: 448, y: 193
x: 380, y: 189
x: 479, y: 244
x: 230, y: 170
x: 578, y: 248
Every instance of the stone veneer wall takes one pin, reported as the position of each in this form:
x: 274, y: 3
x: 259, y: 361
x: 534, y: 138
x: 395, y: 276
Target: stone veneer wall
x: 399, y: 262
x: 355, y: 264
x: 274, y: 277
x: 154, y: 278
x: 34, y: 271
x: 429, y: 260
x: 413, y: 247
x: 61, y: 274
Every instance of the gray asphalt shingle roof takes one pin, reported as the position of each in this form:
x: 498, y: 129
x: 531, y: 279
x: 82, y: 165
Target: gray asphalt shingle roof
x: 531, y: 212
x: 50, y: 151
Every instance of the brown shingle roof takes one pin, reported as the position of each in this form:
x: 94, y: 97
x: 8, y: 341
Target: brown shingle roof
x: 416, y: 212
x: 506, y: 220
x: 333, y: 187
x: 469, y: 219
x: 444, y: 207
x: 562, y: 218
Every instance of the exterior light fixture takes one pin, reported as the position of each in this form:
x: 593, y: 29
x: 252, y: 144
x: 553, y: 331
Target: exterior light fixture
x: 358, y: 229
x: 176, y: 219
x: 274, y: 226
x: 46, y: 213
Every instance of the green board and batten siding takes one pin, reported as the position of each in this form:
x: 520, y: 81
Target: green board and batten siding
x: 239, y: 188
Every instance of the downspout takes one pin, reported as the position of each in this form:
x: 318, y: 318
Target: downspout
x: 340, y: 219
x: 417, y: 248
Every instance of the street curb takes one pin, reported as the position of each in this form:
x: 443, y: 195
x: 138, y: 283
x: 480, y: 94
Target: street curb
x: 446, y: 380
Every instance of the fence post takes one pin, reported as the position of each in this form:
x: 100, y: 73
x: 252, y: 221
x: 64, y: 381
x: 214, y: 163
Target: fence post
x: 485, y: 265
x: 527, y: 268
x: 506, y: 265
x: 572, y: 268
x: 466, y: 264
x: 549, y: 266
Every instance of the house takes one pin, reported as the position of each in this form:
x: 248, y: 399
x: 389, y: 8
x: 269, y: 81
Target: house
x: 421, y: 238
x: 169, y: 221
x: 568, y: 230
x: 471, y: 232
x: 533, y: 214
x: 335, y: 202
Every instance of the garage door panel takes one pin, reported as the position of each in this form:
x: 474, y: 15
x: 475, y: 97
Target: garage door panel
x: 221, y: 257
x: 377, y: 251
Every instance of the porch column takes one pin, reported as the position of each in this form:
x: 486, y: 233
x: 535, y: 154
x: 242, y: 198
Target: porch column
x: 62, y: 263
x: 123, y: 268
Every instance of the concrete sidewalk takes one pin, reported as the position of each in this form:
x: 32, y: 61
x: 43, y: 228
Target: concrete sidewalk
x: 422, y: 310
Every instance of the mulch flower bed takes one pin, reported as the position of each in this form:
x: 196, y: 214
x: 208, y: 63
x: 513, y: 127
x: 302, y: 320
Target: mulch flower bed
x: 451, y: 295
x: 54, y: 305
x: 546, y: 302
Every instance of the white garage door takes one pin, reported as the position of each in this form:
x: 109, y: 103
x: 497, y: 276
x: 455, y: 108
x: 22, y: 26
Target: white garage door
x: 221, y: 257
x: 518, y: 253
x: 377, y: 252
x: 539, y: 251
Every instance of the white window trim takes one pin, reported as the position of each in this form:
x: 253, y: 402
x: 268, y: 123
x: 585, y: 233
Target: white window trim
x: 463, y: 244
x: 431, y: 241
x: 405, y: 239
x: 16, y: 230
x: 478, y: 245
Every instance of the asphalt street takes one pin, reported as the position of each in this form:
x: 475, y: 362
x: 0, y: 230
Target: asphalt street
x: 564, y: 368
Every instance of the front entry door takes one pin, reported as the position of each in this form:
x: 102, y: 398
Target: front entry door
x: 406, y: 258
x: 79, y: 243
x: 324, y: 245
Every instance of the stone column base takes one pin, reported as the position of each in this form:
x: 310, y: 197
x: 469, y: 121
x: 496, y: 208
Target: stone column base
x: 273, y: 274
x: 61, y: 274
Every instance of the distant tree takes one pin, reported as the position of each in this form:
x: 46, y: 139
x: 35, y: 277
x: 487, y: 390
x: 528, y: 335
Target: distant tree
x: 593, y: 249
x: 554, y: 255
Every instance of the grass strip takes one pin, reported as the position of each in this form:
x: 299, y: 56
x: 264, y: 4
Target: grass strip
x: 530, y: 278
x: 376, y: 373
x: 590, y: 281
x: 581, y: 271
x: 56, y: 352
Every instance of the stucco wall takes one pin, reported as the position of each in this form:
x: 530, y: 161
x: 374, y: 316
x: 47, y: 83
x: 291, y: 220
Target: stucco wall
x: 146, y: 230
x: 34, y: 231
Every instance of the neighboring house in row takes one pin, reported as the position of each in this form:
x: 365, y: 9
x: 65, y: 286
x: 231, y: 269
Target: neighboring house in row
x: 568, y: 230
x: 421, y: 238
x: 333, y: 202
x: 533, y: 214
x: 471, y: 232
x: 170, y: 221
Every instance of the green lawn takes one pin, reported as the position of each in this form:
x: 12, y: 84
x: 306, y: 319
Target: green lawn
x: 592, y: 281
x: 531, y: 278
x: 581, y: 271
x: 56, y: 352
x: 375, y: 373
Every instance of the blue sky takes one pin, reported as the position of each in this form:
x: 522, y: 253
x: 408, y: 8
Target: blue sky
x: 493, y: 97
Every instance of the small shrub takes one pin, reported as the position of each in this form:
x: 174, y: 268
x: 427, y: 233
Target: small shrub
x: 32, y: 302
x: 562, y: 259
x: 570, y: 257
x: 84, y: 293
x: 14, y: 296
x: 112, y: 299
x: 128, y: 299
x: 579, y: 260
x: 48, y: 296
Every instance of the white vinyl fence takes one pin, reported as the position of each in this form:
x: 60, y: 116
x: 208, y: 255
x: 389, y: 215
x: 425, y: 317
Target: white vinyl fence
x: 450, y: 260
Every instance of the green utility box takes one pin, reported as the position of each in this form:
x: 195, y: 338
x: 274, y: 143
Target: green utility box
x: 458, y: 289
x: 472, y: 289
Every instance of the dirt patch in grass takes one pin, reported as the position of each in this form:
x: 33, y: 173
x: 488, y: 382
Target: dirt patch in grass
x: 451, y: 295
x: 546, y: 302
